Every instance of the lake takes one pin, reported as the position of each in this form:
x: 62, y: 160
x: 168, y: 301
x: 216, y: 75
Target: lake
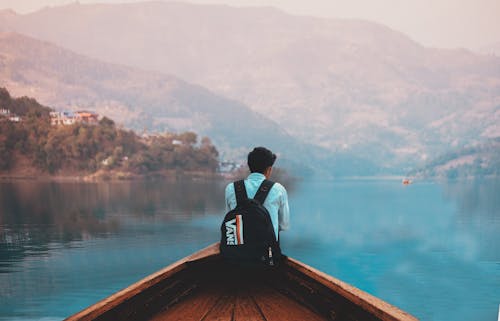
x: 432, y: 249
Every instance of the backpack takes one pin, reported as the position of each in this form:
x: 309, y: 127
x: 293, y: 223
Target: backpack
x: 247, y: 233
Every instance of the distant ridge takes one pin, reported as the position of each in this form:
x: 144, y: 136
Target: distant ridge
x: 135, y: 98
x: 479, y: 160
x: 491, y: 49
x: 349, y: 86
x: 146, y: 100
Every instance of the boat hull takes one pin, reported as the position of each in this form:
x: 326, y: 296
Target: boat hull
x: 203, y: 287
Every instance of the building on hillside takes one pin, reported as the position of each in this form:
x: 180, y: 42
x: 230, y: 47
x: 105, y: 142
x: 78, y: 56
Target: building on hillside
x: 62, y: 118
x: 10, y: 116
x: 87, y: 117
x: 70, y: 118
x: 176, y: 142
x: 14, y: 118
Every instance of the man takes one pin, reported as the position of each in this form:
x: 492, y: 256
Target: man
x: 260, y: 163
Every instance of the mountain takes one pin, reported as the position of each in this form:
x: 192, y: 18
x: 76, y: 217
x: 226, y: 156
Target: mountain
x: 156, y: 102
x: 482, y: 159
x: 350, y: 86
x: 136, y: 99
x: 490, y: 49
x: 31, y: 146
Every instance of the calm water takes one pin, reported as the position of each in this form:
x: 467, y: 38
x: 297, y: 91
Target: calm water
x: 431, y: 249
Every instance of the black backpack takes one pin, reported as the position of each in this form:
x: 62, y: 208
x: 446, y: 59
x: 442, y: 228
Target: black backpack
x: 247, y: 233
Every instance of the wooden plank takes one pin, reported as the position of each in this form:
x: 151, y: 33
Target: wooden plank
x: 145, y: 304
x: 94, y: 311
x: 368, y: 302
x: 245, y: 308
x: 319, y: 298
x: 193, y: 308
x: 276, y: 306
x: 223, y: 310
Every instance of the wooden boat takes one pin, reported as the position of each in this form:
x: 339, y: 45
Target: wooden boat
x: 202, y: 287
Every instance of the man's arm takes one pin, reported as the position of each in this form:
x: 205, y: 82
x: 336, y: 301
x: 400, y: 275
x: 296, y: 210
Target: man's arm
x: 228, y: 194
x: 284, y: 211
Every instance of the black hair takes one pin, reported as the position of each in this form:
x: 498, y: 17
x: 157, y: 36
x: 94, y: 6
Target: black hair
x: 259, y: 159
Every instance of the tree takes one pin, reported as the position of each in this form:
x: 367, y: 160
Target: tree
x: 82, y: 147
x: 106, y: 122
x: 188, y: 138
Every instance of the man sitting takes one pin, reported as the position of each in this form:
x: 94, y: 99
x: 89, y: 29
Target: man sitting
x: 260, y: 163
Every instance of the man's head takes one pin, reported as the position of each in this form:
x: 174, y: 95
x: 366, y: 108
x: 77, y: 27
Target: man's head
x: 260, y: 160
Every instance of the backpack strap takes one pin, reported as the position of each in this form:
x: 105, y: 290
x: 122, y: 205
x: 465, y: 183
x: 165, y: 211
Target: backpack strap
x: 240, y: 191
x: 263, y: 190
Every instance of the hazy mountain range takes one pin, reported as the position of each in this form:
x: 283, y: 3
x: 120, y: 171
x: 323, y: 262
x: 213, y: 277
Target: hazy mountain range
x: 490, y: 49
x: 346, y: 85
x: 478, y: 160
x: 134, y: 98
x: 145, y: 100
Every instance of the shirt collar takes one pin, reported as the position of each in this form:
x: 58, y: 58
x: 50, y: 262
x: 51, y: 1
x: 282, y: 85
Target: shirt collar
x: 256, y: 177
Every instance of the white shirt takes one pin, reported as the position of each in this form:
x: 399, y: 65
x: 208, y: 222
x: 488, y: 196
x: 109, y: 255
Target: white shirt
x: 276, y: 201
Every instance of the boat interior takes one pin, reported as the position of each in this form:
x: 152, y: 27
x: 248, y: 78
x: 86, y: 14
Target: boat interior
x: 204, y: 287
x: 211, y: 290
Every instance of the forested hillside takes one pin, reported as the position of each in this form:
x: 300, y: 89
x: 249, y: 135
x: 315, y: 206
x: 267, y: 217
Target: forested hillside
x: 81, y: 148
x: 478, y: 160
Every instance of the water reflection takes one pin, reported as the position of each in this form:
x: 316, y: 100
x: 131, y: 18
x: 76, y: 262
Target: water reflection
x: 477, y: 199
x: 424, y: 247
x: 478, y: 213
x: 36, y: 217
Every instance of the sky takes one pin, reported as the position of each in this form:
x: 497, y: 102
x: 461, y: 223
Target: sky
x: 470, y: 24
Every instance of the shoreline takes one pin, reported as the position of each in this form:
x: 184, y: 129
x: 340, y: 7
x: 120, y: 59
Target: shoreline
x: 119, y: 176
x: 112, y: 176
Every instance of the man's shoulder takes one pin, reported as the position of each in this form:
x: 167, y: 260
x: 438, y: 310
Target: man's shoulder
x: 279, y: 188
x: 229, y: 187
